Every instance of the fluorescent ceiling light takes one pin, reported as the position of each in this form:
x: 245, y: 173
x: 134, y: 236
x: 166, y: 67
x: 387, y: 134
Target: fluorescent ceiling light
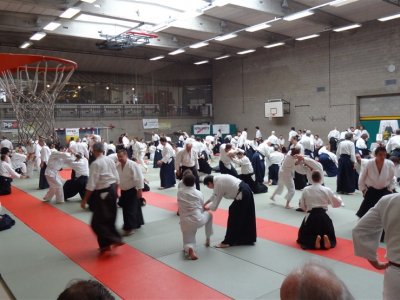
x: 222, y: 57
x: 38, y: 36
x: 299, y: 15
x: 347, y: 27
x: 201, y: 62
x: 157, y: 57
x: 307, y: 37
x: 199, y: 45
x: 52, y: 26
x: 338, y: 3
x: 384, y: 19
x: 69, y: 13
x: 176, y: 52
x: 225, y: 37
x: 246, y: 51
x: 258, y: 27
x: 103, y: 20
x: 26, y: 45
x: 274, y: 45
x: 88, y: 1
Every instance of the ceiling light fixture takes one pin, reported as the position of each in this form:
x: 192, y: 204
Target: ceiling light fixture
x: 298, y: 15
x: 69, y: 13
x: 52, y: 26
x: 307, y: 37
x: 388, y: 18
x: 26, y: 45
x: 347, y: 27
x: 338, y: 3
x: 88, y: 1
x: 201, y: 62
x: 179, y: 51
x: 157, y: 57
x: 222, y: 57
x: 225, y: 37
x: 199, y: 45
x: 274, y: 45
x: 258, y: 27
x: 38, y: 36
x: 246, y: 51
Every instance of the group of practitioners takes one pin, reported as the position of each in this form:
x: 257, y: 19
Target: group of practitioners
x: 299, y: 163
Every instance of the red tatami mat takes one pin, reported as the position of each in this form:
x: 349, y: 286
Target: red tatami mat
x: 128, y: 272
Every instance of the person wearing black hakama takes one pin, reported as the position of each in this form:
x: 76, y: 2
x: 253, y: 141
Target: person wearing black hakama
x: 329, y: 162
x: 44, y: 158
x: 225, y: 160
x: 346, y: 157
x: 204, y: 166
x: 167, y: 165
x: 7, y: 174
x: 77, y: 184
x: 316, y: 230
x: 241, y: 228
x: 187, y: 159
x: 157, y: 156
x: 258, y: 163
x: 101, y: 189
x: 274, y: 161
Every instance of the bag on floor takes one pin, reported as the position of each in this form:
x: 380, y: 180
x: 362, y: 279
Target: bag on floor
x: 6, y: 222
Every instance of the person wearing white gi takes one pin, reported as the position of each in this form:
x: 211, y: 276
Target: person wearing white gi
x: 186, y: 159
x: 6, y: 175
x: 77, y: 184
x: 258, y: 134
x: 346, y: 157
x: 308, y: 144
x: 366, y: 236
x: 55, y: 163
x: 329, y: 161
x: 142, y: 153
x: 192, y: 215
x: 361, y: 146
x: 5, y: 143
x: 167, y: 165
x: 307, y: 165
x: 393, y: 145
x: 225, y: 160
x: 273, y: 139
x: 333, y: 138
x: 44, y: 158
x: 31, y: 157
x: 18, y: 160
x: 274, y: 161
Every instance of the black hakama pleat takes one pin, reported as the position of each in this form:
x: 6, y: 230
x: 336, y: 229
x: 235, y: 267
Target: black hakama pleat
x: 257, y: 161
x: 300, y: 181
x: 249, y: 152
x: 75, y: 186
x: 42, y: 178
x: 5, y: 185
x: 256, y: 187
x: 346, y: 173
x: 372, y: 196
x: 167, y: 174
x: 204, y: 166
x: 329, y: 166
x: 308, y: 153
x: 316, y: 223
x: 224, y: 170
x: 131, y: 210
x: 241, y: 229
x: 157, y: 157
x: 273, y: 174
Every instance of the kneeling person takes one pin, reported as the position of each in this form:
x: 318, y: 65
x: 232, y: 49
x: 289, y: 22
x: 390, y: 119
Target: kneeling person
x: 316, y: 230
x: 192, y: 215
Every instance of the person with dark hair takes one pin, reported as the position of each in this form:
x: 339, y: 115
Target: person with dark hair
x: 346, y: 155
x: 393, y: 145
x: 300, y: 180
x: 241, y: 227
x: 6, y: 143
x: 292, y: 133
x: 316, y: 230
x: 7, y: 174
x: 396, y: 162
x: 258, y: 134
x: 376, y: 180
x: 192, y: 214
x: 131, y: 184
x: 167, y: 165
x: 313, y: 281
x: 187, y: 159
x: 275, y: 159
x: 333, y: 138
x: 45, y: 153
x: 258, y: 161
x: 101, y: 189
x: 80, y: 165
x: 111, y: 148
x: 225, y: 160
x: 85, y: 290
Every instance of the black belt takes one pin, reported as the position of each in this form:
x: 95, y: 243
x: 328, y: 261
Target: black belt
x: 129, y: 190
x: 106, y: 189
x: 394, y: 264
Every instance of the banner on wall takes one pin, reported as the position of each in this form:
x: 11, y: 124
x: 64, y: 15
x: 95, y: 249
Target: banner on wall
x: 225, y: 128
x: 388, y: 127
x: 9, y: 125
x: 150, y: 123
x: 71, y: 133
x: 202, y: 129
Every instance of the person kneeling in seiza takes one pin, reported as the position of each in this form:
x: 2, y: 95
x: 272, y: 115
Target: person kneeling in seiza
x: 192, y: 214
x: 316, y: 230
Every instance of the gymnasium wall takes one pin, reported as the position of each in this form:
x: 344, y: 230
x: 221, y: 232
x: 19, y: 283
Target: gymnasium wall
x: 322, y: 77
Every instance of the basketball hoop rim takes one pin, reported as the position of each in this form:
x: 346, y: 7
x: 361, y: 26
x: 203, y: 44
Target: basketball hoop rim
x: 13, y: 62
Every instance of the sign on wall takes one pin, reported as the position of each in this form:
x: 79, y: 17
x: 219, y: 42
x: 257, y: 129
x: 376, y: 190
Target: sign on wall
x: 201, y: 129
x: 71, y: 133
x: 225, y: 128
x: 150, y: 123
x: 9, y: 125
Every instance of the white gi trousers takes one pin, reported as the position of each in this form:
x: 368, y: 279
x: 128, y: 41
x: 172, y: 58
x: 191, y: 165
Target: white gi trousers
x: 141, y: 160
x: 55, y: 188
x: 189, y: 226
x: 391, y: 287
x: 285, y: 180
x: 30, y: 165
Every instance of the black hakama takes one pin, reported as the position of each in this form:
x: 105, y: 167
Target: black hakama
x: 131, y: 210
x: 300, y: 181
x: 372, y: 196
x: 224, y: 170
x: 167, y: 174
x: 395, y: 152
x: 241, y: 229
x: 204, y: 166
x: 194, y: 172
x: 345, y: 176
x: 104, y: 216
x: 249, y: 152
x: 329, y: 166
x: 308, y: 153
x: 74, y: 186
x: 109, y: 152
x: 273, y: 174
x: 5, y: 185
x: 157, y: 157
x: 333, y: 144
x: 257, y: 161
x: 317, y: 222
x: 256, y: 187
x: 42, y: 178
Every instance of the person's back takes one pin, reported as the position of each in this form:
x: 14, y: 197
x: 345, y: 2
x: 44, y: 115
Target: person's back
x: 190, y: 201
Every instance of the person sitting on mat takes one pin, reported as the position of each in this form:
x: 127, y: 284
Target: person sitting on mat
x: 316, y: 230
